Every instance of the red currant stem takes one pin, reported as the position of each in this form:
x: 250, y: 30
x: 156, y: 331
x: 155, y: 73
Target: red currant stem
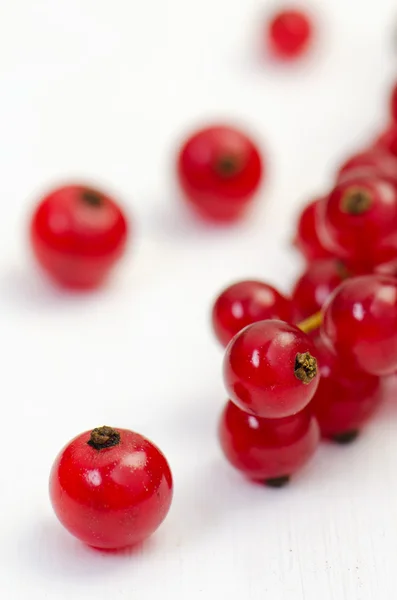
x: 311, y: 323
x: 103, y: 437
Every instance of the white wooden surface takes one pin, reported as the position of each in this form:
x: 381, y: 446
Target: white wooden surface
x: 103, y: 91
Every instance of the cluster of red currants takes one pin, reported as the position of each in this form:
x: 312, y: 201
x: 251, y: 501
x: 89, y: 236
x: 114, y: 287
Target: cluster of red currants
x: 313, y: 364
x: 290, y: 374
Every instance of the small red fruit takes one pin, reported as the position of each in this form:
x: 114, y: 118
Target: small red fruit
x: 219, y: 170
x: 388, y: 140
x: 267, y: 450
x: 77, y: 235
x: 316, y: 284
x: 356, y: 217
x: 374, y: 162
x: 289, y: 33
x: 360, y: 324
x: 345, y: 398
x: 111, y: 488
x: 270, y: 369
x: 307, y: 240
x: 244, y: 303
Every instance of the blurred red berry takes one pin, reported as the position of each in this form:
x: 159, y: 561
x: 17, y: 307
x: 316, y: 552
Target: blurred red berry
x: 356, y: 217
x: 219, y: 170
x: 374, y: 162
x: 289, y: 33
x: 77, y: 235
x: 388, y: 140
x: 267, y: 450
x: 316, y: 284
x: 246, y: 302
x: 393, y: 104
x: 306, y: 239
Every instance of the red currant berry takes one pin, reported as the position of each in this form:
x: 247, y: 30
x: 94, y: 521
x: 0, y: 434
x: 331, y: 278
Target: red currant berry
x: 360, y: 323
x: 244, y: 303
x: 219, y: 170
x: 111, y: 488
x: 316, y: 284
x: 268, y: 450
x: 345, y: 398
x: 270, y: 369
x: 356, y: 216
x: 393, y: 104
x: 289, y: 33
x: 388, y: 141
x: 77, y: 234
x: 375, y: 162
x: 307, y: 239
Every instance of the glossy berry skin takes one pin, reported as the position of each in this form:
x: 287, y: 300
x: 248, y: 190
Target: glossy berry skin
x: 307, y: 239
x: 267, y: 449
x: 393, y: 104
x: 270, y: 369
x: 111, y: 497
x: 289, y: 33
x: 316, y: 284
x: 374, y: 162
x: 355, y: 218
x: 360, y: 323
x: 219, y: 170
x: 77, y: 235
x: 345, y: 398
x: 388, y: 140
x: 246, y: 302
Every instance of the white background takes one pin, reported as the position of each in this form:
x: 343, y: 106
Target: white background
x: 104, y: 91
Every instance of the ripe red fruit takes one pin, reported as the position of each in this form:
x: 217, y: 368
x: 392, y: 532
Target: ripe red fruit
x: 270, y: 369
x: 345, y: 398
x: 374, y: 162
x: 111, y: 488
x: 219, y: 170
x: 388, y: 140
x: 244, y: 303
x: 393, y: 104
x: 356, y: 216
x: 267, y: 450
x: 77, y: 235
x: 316, y: 284
x: 307, y: 239
x: 289, y: 33
x: 360, y: 323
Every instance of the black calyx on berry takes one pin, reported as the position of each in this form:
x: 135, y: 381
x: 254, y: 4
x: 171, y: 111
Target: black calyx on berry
x: 305, y: 367
x: 356, y: 201
x: 103, y: 437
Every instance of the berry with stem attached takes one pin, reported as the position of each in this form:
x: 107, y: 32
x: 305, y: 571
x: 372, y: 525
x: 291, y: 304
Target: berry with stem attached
x: 219, y: 170
x: 77, y: 235
x: 355, y: 218
x: 111, y: 488
x: 270, y: 369
x: 246, y: 302
x: 267, y: 450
